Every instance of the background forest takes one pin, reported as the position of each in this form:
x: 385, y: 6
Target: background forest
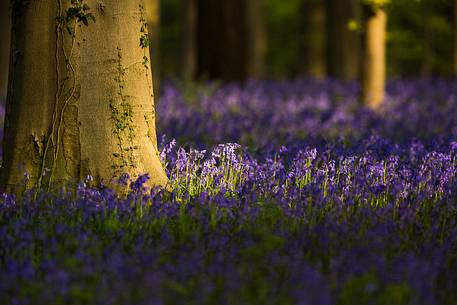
x: 305, y: 152
x: 420, y: 36
x: 290, y: 39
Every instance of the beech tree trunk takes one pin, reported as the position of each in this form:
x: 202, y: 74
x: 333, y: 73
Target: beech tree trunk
x: 5, y: 31
x: 343, y: 44
x: 80, y: 99
x: 426, y: 68
x: 257, y: 38
x: 231, y: 39
x: 189, y: 56
x: 153, y: 19
x: 374, y: 57
x: 222, y: 40
x: 455, y: 37
x: 314, y: 44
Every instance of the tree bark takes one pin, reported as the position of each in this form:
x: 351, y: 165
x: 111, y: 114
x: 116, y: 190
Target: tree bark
x: 153, y: 19
x: 426, y: 69
x: 257, y: 38
x: 231, y: 39
x: 222, y: 47
x: 189, y: 57
x: 80, y: 99
x: 455, y: 37
x: 343, y: 44
x: 374, y: 61
x: 5, y: 31
x: 314, y: 44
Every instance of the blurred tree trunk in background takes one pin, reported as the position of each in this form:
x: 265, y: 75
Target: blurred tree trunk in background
x: 231, y: 39
x: 80, y: 100
x: 426, y: 68
x: 314, y: 38
x: 343, y: 43
x: 189, y: 64
x: 5, y: 33
x: 257, y: 38
x: 374, y: 61
x: 455, y: 37
x: 153, y: 20
x: 222, y: 47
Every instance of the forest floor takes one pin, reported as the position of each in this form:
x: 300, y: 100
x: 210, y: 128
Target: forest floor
x: 282, y: 193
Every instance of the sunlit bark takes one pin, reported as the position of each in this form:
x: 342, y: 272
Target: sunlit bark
x: 374, y: 57
x: 153, y: 19
x: 80, y: 100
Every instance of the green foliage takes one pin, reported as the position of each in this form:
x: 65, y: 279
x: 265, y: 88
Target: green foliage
x: 419, y: 37
x: 285, y: 31
x: 144, y: 38
x: 79, y: 12
x: 171, y: 32
x: 368, y: 290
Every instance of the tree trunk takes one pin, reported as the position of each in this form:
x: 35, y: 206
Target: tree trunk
x: 153, y: 20
x: 343, y: 44
x: 5, y: 31
x: 374, y: 61
x: 314, y: 19
x: 80, y: 99
x: 426, y: 68
x: 455, y: 37
x: 222, y: 40
x: 257, y: 38
x: 189, y: 65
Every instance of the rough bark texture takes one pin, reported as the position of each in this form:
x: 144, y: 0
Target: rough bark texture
x: 314, y: 36
x: 343, y: 44
x: 455, y: 37
x: 153, y: 19
x: 79, y: 105
x: 374, y: 57
x: 5, y: 31
x: 189, y: 56
x: 257, y: 38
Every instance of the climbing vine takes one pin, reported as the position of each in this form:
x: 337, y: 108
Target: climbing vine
x: 67, y: 23
x: 123, y: 127
x: 121, y: 108
x: 68, y: 20
x: 144, y: 38
x: 145, y: 44
x: 78, y: 12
